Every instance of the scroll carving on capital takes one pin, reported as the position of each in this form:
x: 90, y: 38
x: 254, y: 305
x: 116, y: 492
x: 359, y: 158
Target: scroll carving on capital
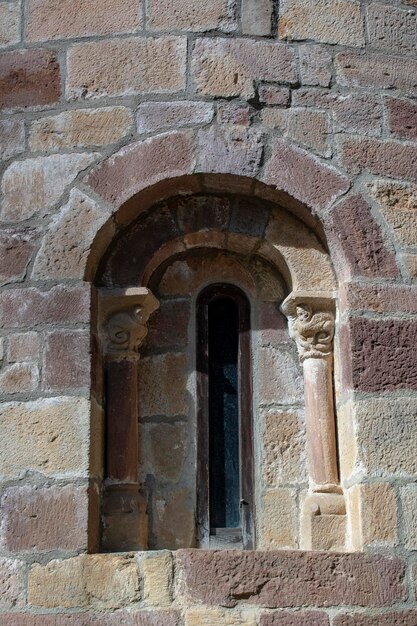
x: 311, y: 325
x: 124, y: 315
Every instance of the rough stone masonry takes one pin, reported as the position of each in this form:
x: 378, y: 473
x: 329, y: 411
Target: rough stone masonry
x: 109, y: 108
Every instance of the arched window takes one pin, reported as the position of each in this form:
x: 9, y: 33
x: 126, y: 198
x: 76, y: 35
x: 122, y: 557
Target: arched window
x: 224, y: 418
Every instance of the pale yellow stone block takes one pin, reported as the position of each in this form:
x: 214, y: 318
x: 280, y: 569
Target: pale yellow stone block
x: 278, y: 526
x: 219, y: 617
x: 157, y: 580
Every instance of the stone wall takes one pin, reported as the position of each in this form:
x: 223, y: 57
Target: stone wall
x: 108, y: 108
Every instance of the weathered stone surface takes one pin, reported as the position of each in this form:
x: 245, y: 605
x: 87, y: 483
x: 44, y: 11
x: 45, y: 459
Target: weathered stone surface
x: 389, y: 158
x: 16, y: 250
x: 409, y: 512
x: 168, y: 397
x: 328, y: 21
x: 57, y: 429
x: 9, y: 23
x: 174, y: 520
x: 383, y: 356
x: 23, y: 347
x: 257, y: 17
x: 281, y: 378
x: 66, y: 363
x: 229, y: 67
x: 400, y: 618
x: 398, y: 202
x: 143, y: 164
x: 33, y: 186
x: 122, y: 67
x: 377, y: 515
x: 386, y: 430
x: 311, y: 129
x: 139, y: 618
x: 158, y: 116
x: 298, y: 618
x: 157, y: 579
x: 44, y: 519
x: 20, y: 308
x: 11, y: 583
x: 18, y: 378
x: 379, y: 298
x: 12, y: 137
x: 278, y: 523
x: 97, y: 581
x: 315, y: 65
x: 284, y: 448
x: 29, y: 78
x: 168, y: 326
x: 376, y: 70
x: 69, y: 18
x: 303, y: 176
x: 392, y: 28
x: 355, y: 235
x: 65, y: 249
x: 219, y: 617
x: 276, y: 118
x: 80, y: 128
x: 402, y: 117
x: 189, y: 16
x: 235, y: 151
x: 410, y: 264
x: 285, y: 579
x: 231, y: 113
x: 164, y: 448
x: 274, y: 94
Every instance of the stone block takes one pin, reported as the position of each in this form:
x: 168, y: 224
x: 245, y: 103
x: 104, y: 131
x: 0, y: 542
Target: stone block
x: 23, y: 347
x: 219, y: 617
x: 327, y: 21
x: 278, y: 523
x: 234, y: 150
x: 379, y: 298
x: 97, y: 581
x: 159, y: 116
x: 408, y: 496
x: 64, y: 250
x: 44, y: 519
x: 303, y: 176
x: 274, y: 95
x: 410, y: 264
x: 173, y: 519
x: 275, y: 118
x: 10, y: 14
x: 257, y: 17
x: 281, y: 377
x: 373, y: 515
x: 66, y: 363
x: 12, y: 137
x: 168, y: 326
x: 400, y: 618
x: 311, y: 129
x: 284, y: 453
x: 139, y: 618
x: 157, y: 579
x: 388, y: 158
x: 69, y: 18
x: 315, y: 65
x: 123, y: 67
x: 229, y: 67
x: 22, y: 308
x: 12, y: 574
x: 19, y: 378
x: 398, y: 204
x: 164, y: 15
x: 16, y: 249
x: 57, y: 429
x: 323, y: 522
x: 231, y: 113
x: 33, y: 186
x: 29, y: 78
x: 376, y: 70
x: 392, y: 28
x: 402, y: 117
x: 80, y: 128
x: 165, y: 447
x: 298, y: 618
x: 357, y: 241
x: 280, y: 579
x: 163, y: 380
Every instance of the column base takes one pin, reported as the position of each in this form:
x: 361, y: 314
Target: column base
x: 324, y: 522
x: 125, y: 519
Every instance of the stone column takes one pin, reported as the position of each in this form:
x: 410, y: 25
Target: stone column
x: 123, y: 315
x: 311, y: 325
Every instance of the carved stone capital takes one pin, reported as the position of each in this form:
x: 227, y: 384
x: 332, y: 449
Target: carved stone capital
x: 311, y: 323
x: 123, y: 320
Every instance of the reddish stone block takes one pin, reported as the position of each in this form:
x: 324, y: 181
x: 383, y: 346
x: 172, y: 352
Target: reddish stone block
x: 143, y: 164
x: 30, y: 619
x: 401, y: 618
x: 274, y: 95
x: 383, y: 354
x: 231, y: 113
x: 290, y: 579
x: 226, y: 150
x: 389, y: 158
x: 303, y: 176
x: 392, y: 28
x: 354, y: 69
x: 298, y: 618
x: 44, y: 519
x: 168, y: 327
x: 66, y: 363
x: 23, y: 347
x: 354, y: 235
x: 402, y: 118
x: 29, y: 78
x: 379, y: 298
x: 31, y: 307
x: 16, y: 249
